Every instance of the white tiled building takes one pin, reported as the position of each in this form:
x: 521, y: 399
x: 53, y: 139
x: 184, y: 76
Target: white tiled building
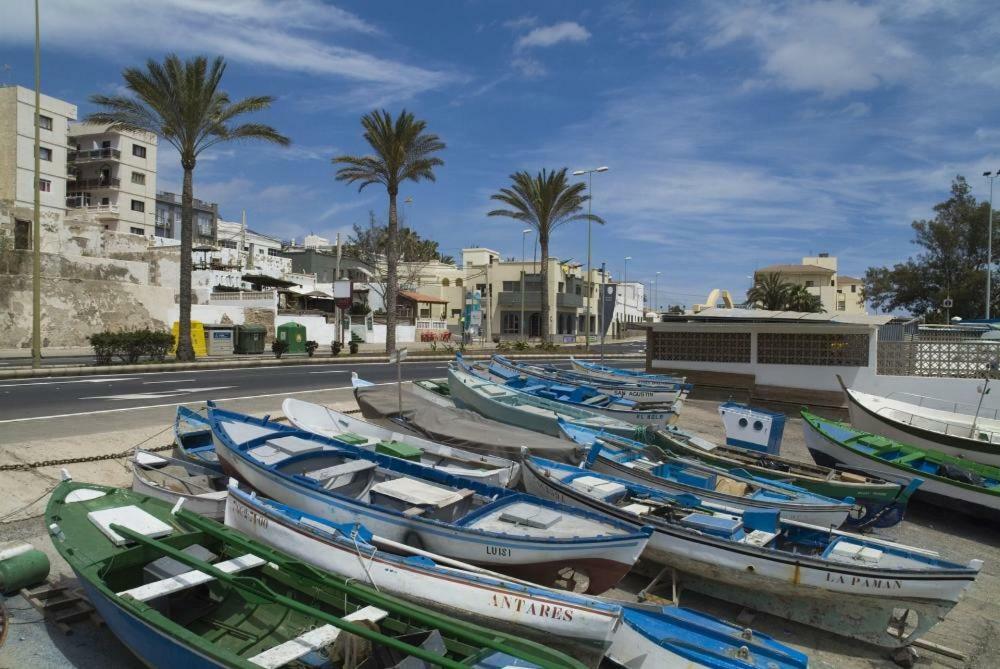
x: 252, y: 251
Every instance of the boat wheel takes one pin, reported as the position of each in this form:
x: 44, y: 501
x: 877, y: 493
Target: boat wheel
x: 574, y: 580
x: 413, y: 540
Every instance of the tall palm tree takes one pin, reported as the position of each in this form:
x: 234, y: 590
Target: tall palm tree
x: 180, y: 101
x: 769, y: 291
x: 800, y: 299
x: 544, y: 202
x: 403, y: 151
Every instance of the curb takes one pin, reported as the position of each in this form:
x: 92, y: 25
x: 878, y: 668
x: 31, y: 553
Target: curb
x: 29, y: 373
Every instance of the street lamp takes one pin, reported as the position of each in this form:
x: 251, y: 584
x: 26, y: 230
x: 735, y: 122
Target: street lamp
x: 656, y: 292
x: 990, y: 176
x: 590, y: 199
x: 526, y: 231
x: 625, y: 289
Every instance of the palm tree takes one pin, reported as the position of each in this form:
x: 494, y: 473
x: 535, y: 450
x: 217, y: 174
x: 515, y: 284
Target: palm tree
x: 181, y: 102
x: 544, y: 202
x: 402, y: 152
x: 800, y: 299
x: 769, y: 291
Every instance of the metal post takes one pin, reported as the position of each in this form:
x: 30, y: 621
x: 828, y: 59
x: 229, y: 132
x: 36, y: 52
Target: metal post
x: 604, y: 326
x: 399, y: 382
x: 590, y: 287
x: 36, y: 232
x: 989, y: 245
x: 521, y: 322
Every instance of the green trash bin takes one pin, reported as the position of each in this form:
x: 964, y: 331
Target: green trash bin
x: 293, y: 334
x: 249, y: 338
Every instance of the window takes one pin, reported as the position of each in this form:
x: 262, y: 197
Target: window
x: 481, y: 287
x: 45, y: 185
x: 510, y: 323
x: 562, y: 287
x: 445, y: 282
x: 44, y: 122
x: 458, y: 282
x: 275, y: 252
x: 139, y: 178
x: 22, y: 235
x: 810, y: 284
x: 227, y: 244
x: 511, y: 286
x: 832, y: 282
x: 106, y: 144
x: 854, y: 288
x: 45, y: 153
x: 137, y: 231
x: 456, y: 313
x: 138, y: 205
x: 138, y: 151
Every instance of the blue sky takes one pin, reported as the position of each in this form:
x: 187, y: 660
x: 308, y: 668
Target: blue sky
x: 738, y: 134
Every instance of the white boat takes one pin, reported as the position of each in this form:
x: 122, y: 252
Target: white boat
x: 202, y: 489
x: 599, y: 371
x: 325, y: 421
x: 402, y: 501
x: 507, y: 405
x: 845, y: 583
x: 927, y: 423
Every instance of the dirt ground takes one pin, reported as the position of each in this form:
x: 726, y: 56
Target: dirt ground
x: 971, y: 627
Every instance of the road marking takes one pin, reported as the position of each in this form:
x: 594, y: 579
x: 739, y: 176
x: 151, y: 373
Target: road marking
x: 332, y: 371
x: 176, y: 404
x: 155, y: 396
x: 59, y: 383
x: 153, y: 383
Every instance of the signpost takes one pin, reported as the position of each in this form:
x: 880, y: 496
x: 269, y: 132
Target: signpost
x: 398, y: 356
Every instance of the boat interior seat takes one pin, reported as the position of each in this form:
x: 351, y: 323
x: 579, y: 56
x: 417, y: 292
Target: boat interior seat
x: 406, y: 495
x: 720, y: 526
x: 503, y: 372
x: 758, y: 538
x: 910, y: 457
x: 190, y: 579
x: 313, y: 640
x: 337, y: 476
x: 596, y: 399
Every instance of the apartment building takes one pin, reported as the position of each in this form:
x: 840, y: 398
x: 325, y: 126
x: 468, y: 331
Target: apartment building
x: 818, y: 274
x: 167, y: 219
x: 251, y: 251
x: 17, y: 161
x: 112, y: 178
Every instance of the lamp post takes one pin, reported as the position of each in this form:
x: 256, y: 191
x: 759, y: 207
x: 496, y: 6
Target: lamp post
x: 36, y: 224
x: 990, y: 176
x: 603, y: 325
x: 625, y: 292
x: 524, y: 232
x: 656, y: 292
x: 590, y: 198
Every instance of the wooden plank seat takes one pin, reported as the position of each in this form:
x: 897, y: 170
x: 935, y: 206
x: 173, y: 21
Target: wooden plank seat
x: 190, y: 579
x: 314, y: 639
x: 417, y: 493
x: 596, y: 399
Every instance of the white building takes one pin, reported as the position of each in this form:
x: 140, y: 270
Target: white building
x: 112, y: 178
x: 818, y: 274
x: 630, y: 306
x: 315, y: 242
x: 252, y: 252
x: 17, y: 161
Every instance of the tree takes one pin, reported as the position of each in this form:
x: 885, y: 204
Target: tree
x: 544, y: 202
x: 403, y: 151
x: 952, y: 263
x: 800, y: 299
x: 769, y: 291
x: 370, y: 246
x: 180, y: 101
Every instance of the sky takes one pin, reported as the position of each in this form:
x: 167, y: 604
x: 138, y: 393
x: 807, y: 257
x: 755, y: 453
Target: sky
x: 737, y: 134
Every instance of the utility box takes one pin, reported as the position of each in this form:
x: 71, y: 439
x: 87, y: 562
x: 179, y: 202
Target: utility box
x: 249, y: 338
x: 219, y: 339
x: 197, y: 338
x: 293, y: 334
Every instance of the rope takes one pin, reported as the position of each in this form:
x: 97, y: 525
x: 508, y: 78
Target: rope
x: 361, y: 561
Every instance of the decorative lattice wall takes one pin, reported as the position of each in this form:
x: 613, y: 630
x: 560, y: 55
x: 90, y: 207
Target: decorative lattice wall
x: 960, y: 358
x: 848, y: 350
x: 702, y: 346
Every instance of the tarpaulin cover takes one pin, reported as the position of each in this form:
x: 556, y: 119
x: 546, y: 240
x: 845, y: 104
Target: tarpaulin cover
x: 447, y: 424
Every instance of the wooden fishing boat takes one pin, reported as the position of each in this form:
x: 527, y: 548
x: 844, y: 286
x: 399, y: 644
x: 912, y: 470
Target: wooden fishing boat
x: 460, y: 518
x: 877, y: 502
x: 193, y: 438
x: 579, y: 396
x: 737, y: 489
x: 845, y: 583
x: 202, y: 489
x: 947, y: 480
x: 597, y: 370
x: 584, y: 626
x: 180, y: 590
x: 660, y: 395
x: 929, y: 423
x: 507, y: 405
x: 322, y: 420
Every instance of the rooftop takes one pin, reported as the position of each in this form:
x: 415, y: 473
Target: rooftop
x: 848, y: 279
x: 761, y: 315
x: 797, y: 269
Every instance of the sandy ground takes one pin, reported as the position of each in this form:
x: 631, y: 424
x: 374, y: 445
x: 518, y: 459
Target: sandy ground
x: 970, y: 628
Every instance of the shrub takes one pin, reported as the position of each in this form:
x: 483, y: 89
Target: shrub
x: 521, y: 345
x: 353, y: 345
x: 130, y: 345
x: 104, y: 344
x: 278, y: 347
x: 546, y: 346
x: 311, y: 347
x: 336, y: 347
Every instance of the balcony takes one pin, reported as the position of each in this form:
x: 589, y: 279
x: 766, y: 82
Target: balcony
x: 94, y: 154
x: 533, y: 300
x: 95, y: 183
x: 99, y: 209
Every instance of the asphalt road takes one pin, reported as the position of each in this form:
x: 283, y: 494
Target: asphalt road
x: 67, y: 406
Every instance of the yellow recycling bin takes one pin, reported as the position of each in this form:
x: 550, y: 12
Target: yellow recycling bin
x: 197, y: 338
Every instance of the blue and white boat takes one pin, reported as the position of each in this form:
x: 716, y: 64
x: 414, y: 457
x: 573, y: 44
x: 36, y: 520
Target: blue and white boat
x: 734, y: 489
x: 193, y: 438
x: 503, y: 530
x: 656, y: 394
x: 599, y: 371
x: 585, y: 626
x: 848, y: 584
x: 579, y: 396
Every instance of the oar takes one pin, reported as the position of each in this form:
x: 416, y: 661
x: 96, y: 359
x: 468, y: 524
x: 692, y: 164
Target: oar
x: 259, y: 590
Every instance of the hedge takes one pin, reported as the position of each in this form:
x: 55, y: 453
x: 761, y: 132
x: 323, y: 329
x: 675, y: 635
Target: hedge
x: 130, y: 345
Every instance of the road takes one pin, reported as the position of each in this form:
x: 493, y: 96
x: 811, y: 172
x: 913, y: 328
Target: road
x: 67, y: 406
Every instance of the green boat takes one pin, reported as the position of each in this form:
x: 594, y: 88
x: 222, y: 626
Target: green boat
x: 947, y: 480
x: 877, y: 501
x: 180, y: 590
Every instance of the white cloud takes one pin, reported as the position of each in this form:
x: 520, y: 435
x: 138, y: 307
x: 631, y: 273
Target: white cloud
x: 566, y: 31
x: 283, y: 34
x: 529, y: 67
x: 521, y: 23
x: 831, y: 47
x: 340, y: 207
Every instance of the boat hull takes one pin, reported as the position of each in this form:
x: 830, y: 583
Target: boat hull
x: 848, y: 600
x: 212, y: 507
x: 594, y: 372
x: 534, y: 612
x: 931, y: 490
x: 604, y: 561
